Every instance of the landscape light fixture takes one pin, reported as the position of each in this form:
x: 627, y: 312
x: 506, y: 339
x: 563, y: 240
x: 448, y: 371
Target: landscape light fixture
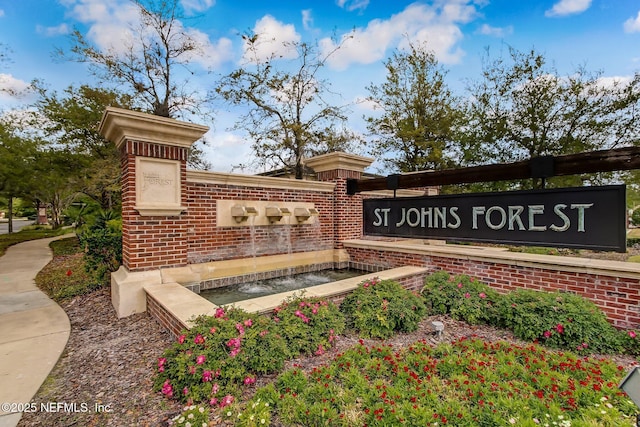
x: 631, y: 385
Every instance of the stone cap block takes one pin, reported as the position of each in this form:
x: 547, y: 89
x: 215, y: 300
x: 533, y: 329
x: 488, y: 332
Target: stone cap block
x: 119, y: 125
x: 339, y: 160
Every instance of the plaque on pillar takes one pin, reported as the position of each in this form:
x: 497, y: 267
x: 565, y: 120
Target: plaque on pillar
x: 158, y: 187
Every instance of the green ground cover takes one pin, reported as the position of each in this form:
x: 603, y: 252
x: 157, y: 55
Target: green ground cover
x: 29, y: 233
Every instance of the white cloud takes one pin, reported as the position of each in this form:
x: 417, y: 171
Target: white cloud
x: 568, y: 7
x: 1, y: 13
x: 12, y: 88
x: 60, y: 30
x: 211, y: 54
x: 436, y: 24
x: 274, y: 39
x: 196, y: 6
x: 632, y: 25
x: 488, y: 30
x: 614, y: 81
x: 363, y: 103
x: 225, y: 150
x: 352, y: 5
x: 110, y: 23
x: 307, y: 19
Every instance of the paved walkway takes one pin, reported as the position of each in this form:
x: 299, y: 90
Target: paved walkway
x: 33, y: 329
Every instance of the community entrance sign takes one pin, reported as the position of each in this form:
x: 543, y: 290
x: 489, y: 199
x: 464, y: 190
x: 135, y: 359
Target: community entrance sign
x: 580, y: 218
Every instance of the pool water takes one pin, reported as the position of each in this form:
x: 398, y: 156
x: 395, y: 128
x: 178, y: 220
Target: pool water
x: 261, y: 288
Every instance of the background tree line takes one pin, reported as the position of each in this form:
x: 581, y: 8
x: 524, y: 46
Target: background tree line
x: 519, y: 107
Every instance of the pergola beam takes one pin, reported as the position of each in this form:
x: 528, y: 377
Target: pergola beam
x: 626, y: 158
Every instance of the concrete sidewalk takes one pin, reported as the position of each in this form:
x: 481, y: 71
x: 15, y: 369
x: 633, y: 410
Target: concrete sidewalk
x: 33, y: 329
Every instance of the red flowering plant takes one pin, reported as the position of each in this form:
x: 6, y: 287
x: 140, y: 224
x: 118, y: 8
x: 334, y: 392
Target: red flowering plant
x: 461, y: 297
x: 467, y: 383
x: 309, y: 325
x: 219, y: 356
x: 560, y: 320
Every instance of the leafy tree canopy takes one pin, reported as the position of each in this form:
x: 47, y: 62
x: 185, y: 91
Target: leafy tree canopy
x: 522, y: 108
x: 69, y: 122
x: 419, y: 115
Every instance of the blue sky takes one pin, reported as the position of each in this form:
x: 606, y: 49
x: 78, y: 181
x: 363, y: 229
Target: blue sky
x: 602, y: 35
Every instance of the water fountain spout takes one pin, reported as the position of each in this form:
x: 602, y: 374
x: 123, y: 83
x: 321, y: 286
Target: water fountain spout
x: 303, y: 214
x: 275, y: 214
x: 242, y: 213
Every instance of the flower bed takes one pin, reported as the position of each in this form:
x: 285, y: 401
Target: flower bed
x: 467, y: 383
x: 470, y: 382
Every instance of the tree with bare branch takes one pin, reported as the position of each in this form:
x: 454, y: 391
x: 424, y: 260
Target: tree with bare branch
x: 154, y: 63
x: 290, y: 112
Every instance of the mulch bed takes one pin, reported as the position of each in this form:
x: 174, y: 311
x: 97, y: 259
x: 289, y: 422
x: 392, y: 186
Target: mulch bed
x: 109, y: 362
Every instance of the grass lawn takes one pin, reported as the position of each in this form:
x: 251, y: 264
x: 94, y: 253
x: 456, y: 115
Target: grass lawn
x: 29, y: 233
x: 634, y: 233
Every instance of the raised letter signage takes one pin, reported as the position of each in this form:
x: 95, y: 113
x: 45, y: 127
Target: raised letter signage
x: 581, y: 218
x: 158, y: 189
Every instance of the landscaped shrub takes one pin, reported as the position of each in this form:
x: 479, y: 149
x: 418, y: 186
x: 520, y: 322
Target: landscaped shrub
x: 309, y: 325
x: 65, y: 276
x: 461, y: 297
x: 220, y: 355
x: 630, y: 341
x: 378, y: 309
x: 467, y: 383
x: 103, y: 246
x: 633, y: 241
x: 560, y: 320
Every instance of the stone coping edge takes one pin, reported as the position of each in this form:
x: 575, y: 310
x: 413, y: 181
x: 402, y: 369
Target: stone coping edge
x: 185, y: 305
x: 181, y: 303
x: 266, y: 304
x: 200, y: 272
x: 219, y: 178
x: 500, y: 256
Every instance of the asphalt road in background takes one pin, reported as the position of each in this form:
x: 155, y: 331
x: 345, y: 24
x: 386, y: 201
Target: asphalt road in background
x: 17, y: 225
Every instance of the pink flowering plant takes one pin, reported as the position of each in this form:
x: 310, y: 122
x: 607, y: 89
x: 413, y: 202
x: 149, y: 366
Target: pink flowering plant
x: 461, y: 297
x: 219, y: 357
x: 630, y: 341
x: 309, y: 325
x: 378, y: 309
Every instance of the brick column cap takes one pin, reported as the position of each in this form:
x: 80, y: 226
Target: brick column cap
x: 339, y: 160
x: 119, y: 125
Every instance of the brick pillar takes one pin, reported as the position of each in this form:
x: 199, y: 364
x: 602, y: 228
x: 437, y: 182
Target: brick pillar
x: 152, y: 237
x: 347, y: 210
x: 153, y: 154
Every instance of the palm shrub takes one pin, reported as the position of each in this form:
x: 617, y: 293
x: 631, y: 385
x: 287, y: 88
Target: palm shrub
x: 220, y: 355
x: 309, y: 325
x: 560, y: 320
x: 461, y: 297
x: 378, y: 309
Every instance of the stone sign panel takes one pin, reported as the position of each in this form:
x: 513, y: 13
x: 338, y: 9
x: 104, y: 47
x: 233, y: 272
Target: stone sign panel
x: 586, y: 217
x: 158, y: 187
